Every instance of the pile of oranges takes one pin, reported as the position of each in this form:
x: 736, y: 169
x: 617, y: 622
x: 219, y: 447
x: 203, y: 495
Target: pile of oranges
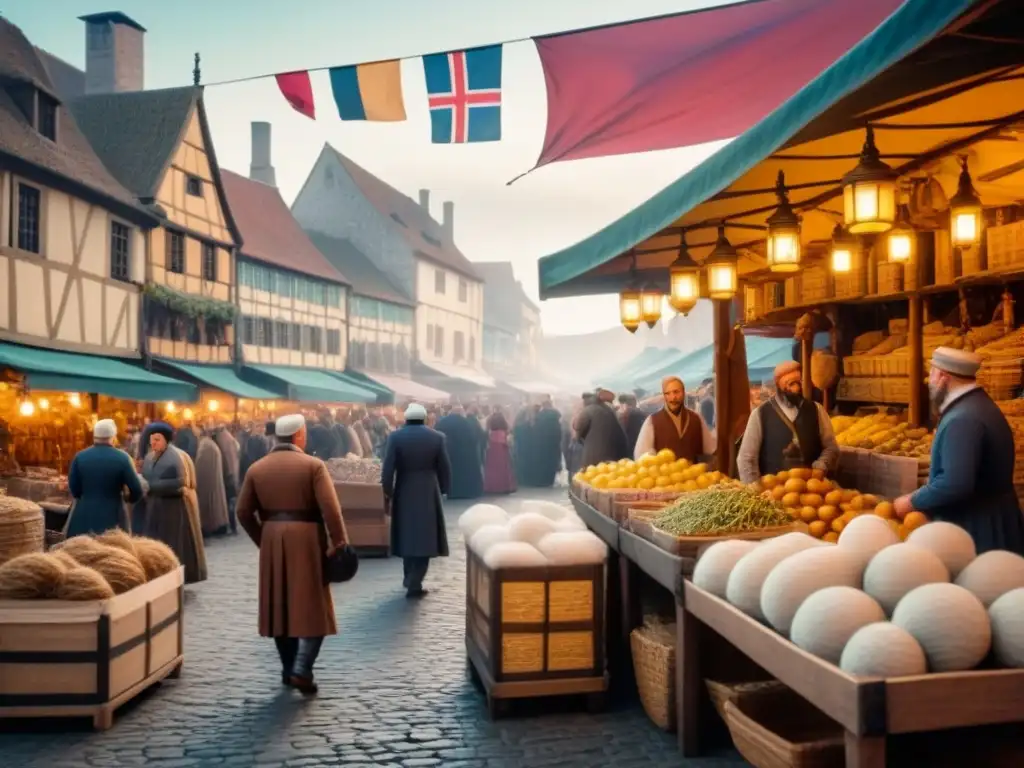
x: 826, y: 508
x: 654, y: 472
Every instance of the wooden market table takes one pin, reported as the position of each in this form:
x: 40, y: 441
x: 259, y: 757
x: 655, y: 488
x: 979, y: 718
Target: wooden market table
x: 869, y: 709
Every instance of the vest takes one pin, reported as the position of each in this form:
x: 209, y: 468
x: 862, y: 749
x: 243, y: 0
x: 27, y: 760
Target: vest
x: 687, y: 446
x: 776, y: 437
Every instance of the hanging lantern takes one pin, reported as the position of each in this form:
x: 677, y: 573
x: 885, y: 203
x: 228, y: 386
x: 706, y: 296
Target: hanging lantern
x: 650, y: 306
x: 901, y: 242
x: 684, y: 281
x: 213, y: 406
x: 27, y: 407
x: 630, y: 308
x: 783, y: 232
x: 869, y: 192
x: 75, y: 400
x: 187, y: 414
x: 965, y: 211
x: 721, y: 266
x: 170, y: 407
x: 844, y: 249
x: 44, y: 404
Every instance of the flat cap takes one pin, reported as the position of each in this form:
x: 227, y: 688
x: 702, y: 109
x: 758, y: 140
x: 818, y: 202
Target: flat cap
x: 286, y: 426
x: 956, y: 361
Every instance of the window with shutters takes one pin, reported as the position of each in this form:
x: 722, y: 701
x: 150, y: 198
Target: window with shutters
x: 438, y: 340
x: 430, y: 336
x: 316, y: 339
x: 248, y: 330
x: 459, y: 343
x: 175, y: 252
x: 439, y: 281
x: 333, y: 341
x: 463, y: 291
x: 472, y: 349
x: 46, y: 115
x: 209, y: 262
x: 281, y: 334
x: 120, y: 254
x: 295, y: 337
x: 30, y: 203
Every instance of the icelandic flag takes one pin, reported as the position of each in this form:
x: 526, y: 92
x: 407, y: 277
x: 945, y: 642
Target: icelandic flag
x: 464, y: 95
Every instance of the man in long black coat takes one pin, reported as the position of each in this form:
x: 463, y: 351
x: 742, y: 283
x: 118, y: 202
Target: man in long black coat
x: 463, y: 443
x: 415, y: 474
x: 548, y: 441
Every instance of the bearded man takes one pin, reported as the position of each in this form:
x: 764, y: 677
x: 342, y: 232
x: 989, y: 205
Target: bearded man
x: 970, y: 482
x: 787, y: 431
x: 675, y: 427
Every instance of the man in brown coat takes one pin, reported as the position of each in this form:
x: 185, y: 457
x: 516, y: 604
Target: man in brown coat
x: 675, y: 427
x: 289, y: 508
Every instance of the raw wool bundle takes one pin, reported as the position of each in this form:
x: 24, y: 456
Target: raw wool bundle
x: 31, y: 576
x: 122, y: 571
x: 83, y: 584
x: 514, y: 554
x: 547, y: 508
x: 480, y: 515
x: 574, y: 548
x: 868, y: 535
x: 744, y: 586
x: 950, y: 542
x: 487, y: 536
x: 1007, y: 615
x: 949, y: 622
x: 22, y: 527
x: 714, y: 566
x: 799, y: 576
x: 118, y: 538
x: 883, y: 650
x: 898, y: 569
x: 63, y: 558
x: 827, y: 620
x: 571, y: 522
x: 824, y: 369
x: 155, y: 557
x: 992, y: 574
x: 530, y: 527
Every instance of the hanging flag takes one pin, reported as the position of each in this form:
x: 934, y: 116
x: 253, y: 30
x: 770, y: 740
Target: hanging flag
x: 369, y: 91
x: 297, y: 89
x: 692, y: 78
x: 464, y: 94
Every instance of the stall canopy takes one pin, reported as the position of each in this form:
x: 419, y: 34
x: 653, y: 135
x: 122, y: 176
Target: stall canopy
x: 220, y: 377
x: 913, y: 79
x: 402, y: 388
x: 385, y: 396
x: 532, y: 386
x: 49, y: 370
x: 625, y: 374
x: 308, y: 385
x: 763, y: 354
x: 454, y: 378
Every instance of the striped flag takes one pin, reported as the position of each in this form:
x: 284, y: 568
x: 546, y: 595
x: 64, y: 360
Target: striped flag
x: 464, y: 94
x: 369, y: 91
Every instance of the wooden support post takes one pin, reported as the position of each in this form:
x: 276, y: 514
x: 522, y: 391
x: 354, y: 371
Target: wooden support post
x: 806, y: 349
x: 915, y: 341
x: 723, y: 418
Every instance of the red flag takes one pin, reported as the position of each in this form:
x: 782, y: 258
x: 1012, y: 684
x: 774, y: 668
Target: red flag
x: 297, y: 89
x: 692, y: 78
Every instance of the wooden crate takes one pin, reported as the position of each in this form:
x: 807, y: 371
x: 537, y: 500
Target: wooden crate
x: 774, y: 296
x: 854, y: 283
x: 946, y: 271
x: 1005, y: 244
x: 367, y: 517
x: 792, y: 291
x: 753, y: 302
x: 890, y: 278
x: 85, y: 659
x: 534, y: 632
x: 815, y: 285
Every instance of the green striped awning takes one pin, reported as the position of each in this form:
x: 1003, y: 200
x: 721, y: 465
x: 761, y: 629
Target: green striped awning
x: 222, y: 378
x: 308, y: 385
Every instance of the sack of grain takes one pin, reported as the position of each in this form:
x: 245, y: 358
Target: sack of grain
x: 824, y: 369
x: 866, y: 341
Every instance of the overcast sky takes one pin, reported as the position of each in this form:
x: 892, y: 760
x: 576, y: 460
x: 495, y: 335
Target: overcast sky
x: 548, y: 210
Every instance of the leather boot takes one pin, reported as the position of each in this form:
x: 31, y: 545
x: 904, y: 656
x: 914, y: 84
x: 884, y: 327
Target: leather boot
x: 302, y: 670
x: 287, y: 648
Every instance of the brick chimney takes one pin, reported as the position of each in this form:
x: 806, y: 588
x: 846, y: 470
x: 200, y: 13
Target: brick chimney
x: 260, y: 167
x: 448, y: 222
x: 114, y: 53
x: 425, y: 200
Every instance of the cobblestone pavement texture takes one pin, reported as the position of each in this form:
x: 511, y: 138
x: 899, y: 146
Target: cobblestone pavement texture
x: 393, y: 691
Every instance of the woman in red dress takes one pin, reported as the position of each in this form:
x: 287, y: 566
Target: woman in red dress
x: 499, y: 475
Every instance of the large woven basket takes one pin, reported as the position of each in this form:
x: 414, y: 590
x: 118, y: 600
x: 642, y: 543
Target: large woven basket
x: 654, y: 664
x: 21, y: 527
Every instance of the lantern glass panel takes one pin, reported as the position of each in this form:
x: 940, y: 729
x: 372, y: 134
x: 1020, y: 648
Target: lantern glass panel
x: 630, y: 310
x: 842, y: 260
x: 722, y: 280
x: 784, y: 251
x: 650, y: 307
x: 685, y: 286
x: 869, y: 206
x: 901, y: 246
x: 966, y: 228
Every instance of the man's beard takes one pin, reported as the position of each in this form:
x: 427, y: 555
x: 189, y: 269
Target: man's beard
x: 674, y: 409
x: 936, y: 396
x: 793, y: 398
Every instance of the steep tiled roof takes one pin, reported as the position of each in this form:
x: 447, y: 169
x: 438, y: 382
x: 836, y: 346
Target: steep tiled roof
x: 362, y: 274
x: 137, y: 132
x: 71, y: 158
x: 424, y: 235
x: 269, y: 231
x: 504, y: 296
x: 69, y: 80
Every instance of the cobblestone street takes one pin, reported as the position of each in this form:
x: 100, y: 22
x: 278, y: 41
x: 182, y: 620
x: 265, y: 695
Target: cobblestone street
x: 393, y: 692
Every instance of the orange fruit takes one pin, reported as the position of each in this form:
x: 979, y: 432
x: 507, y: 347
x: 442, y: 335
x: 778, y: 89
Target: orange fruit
x: 817, y: 528
x: 793, y: 512
x: 811, y: 500
x: 769, y: 481
x: 645, y: 483
x: 914, y: 520
x: 665, y: 456
x: 818, y: 474
x: 834, y: 498
x: 870, y: 500
x: 884, y: 509
x: 782, y: 476
x: 795, y: 485
x: 663, y: 481
x: 778, y: 492
x: 828, y: 513
x: 791, y: 499
x: 808, y: 514
x: 902, y: 531
x: 858, y: 503
x: 831, y: 537
x: 838, y: 524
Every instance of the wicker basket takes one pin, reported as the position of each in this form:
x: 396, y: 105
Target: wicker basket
x: 773, y: 727
x: 53, y: 538
x: 654, y: 664
x: 21, y: 527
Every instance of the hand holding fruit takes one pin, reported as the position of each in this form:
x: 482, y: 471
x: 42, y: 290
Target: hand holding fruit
x: 903, y: 506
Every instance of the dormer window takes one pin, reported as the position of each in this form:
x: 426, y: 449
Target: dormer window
x: 39, y: 108
x: 46, y: 116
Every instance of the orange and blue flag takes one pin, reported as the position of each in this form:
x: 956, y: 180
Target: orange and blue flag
x: 370, y: 92
x: 464, y: 95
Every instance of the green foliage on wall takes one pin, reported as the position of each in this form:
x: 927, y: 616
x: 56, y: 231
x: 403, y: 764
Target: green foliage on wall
x: 189, y: 305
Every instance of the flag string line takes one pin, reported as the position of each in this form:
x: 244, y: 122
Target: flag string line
x: 512, y: 41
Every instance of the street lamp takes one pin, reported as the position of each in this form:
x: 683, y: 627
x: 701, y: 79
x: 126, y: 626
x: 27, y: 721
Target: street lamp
x: 869, y: 192
x: 721, y: 266
x: 965, y: 211
x: 684, y: 281
x: 783, y: 232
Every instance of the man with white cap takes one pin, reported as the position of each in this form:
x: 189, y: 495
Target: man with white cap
x: 290, y: 510
x: 787, y: 431
x: 97, y: 479
x: 675, y: 427
x: 970, y: 482
x: 416, y: 473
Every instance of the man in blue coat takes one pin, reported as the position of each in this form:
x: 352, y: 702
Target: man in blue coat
x: 971, y: 478
x: 415, y: 474
x: 97, y: 479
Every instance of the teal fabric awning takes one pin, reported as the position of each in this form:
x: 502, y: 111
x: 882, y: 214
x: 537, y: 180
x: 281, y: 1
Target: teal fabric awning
x: 692, y: 368
x: 222, y: 378
x: 913, y: 24
x: 308, y: 385
x: 53, y: 371
x: 625, y: 375
x: 385, y: 396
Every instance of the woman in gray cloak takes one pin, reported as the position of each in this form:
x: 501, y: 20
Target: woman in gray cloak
x: 213, y: 499
x: 170, y: 488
